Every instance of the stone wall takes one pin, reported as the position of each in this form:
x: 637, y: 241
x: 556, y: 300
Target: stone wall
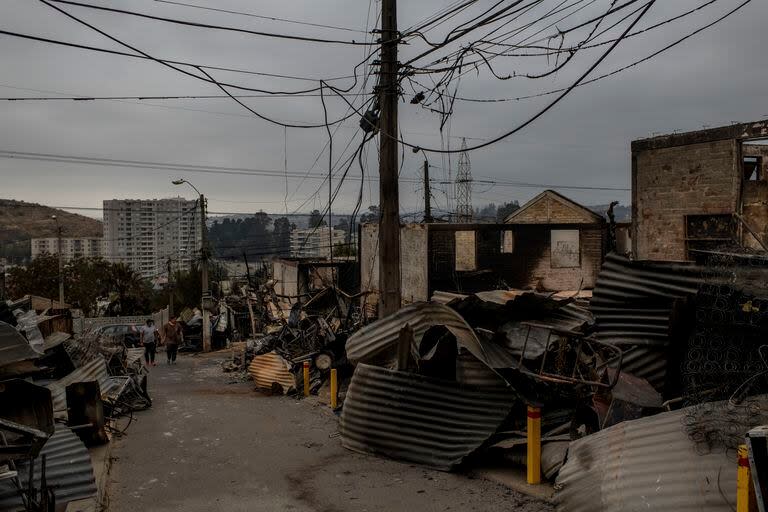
x: 669, y: 183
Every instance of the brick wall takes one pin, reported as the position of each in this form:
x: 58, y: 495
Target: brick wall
x: 669, y: 183
x: 550, y: 209
x: 528, y: 266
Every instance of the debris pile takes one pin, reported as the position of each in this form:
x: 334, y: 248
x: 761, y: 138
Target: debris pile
x: 314, y: 330
x: 58, y: 395
x: 661, y: 373
x: 480, y: 356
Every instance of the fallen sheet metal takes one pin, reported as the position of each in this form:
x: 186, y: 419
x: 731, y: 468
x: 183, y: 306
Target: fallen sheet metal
x: 647, y: 464
x: 68, y: 472
x: 269, y: 369
x: 13, y: 347
x: 377, y: 342
x: 426, y: 421
x: 94, y: 370
x: 133, y: 354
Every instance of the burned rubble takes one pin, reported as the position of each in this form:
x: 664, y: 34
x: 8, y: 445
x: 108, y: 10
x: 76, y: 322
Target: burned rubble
x: 59, y: 395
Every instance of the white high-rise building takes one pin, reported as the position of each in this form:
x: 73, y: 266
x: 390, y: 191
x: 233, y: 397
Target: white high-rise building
x: 315, y: 243
x: 144, y: 233
x: 71, y: 248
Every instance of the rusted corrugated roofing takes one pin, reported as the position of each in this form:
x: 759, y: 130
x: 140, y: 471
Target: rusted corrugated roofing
x: 413, y: 418
x: 648, y: 464
x: 268, y: 369
x: 68, y: 472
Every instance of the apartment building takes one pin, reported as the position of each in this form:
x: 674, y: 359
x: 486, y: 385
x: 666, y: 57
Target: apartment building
x: 315, y: 243
x: 71, y: 248
x: 144, y: 233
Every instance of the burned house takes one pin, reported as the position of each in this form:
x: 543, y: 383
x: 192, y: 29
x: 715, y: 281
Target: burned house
x: 551, y: 244
x: 699, y: 191
x: 560, y: 242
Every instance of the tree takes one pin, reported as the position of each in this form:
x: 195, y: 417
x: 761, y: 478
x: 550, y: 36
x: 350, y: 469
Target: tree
x: 85, y: 280
x: 316, y: 219
x: 281, y: 236
x: 505, y: 209
x: 344, y: 250
x: 39, y: 277
x: 371, y: 216
x: 231, y: 236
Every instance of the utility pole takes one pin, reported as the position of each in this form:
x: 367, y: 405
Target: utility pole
x: 427, y: 194
x: 170, y: 289
x: 61, y: 261
x: 389, y: 226
x: 204, y: 274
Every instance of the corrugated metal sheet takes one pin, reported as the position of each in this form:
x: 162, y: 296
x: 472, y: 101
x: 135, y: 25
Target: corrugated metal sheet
x: 409, y: 417
x: 13, y: 346
x: 377, y: 341
x: 646, y: 464
x: 447, y: 298
x: 68, y: 471
x: 270, y: 368
x: 132, y: 354
x: 95, y: 369
x: 632, y: 304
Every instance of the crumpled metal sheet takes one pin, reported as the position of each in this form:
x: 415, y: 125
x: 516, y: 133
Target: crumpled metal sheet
x: 646, y: 464
x: 69, y: 471
x: 378, y: 341
x: 13, y: 347
x: 133, y: 354
x: 270, y: 368
x: 94, y: 370
x: 413, y: 418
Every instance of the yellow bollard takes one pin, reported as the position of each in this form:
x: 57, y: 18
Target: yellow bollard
x: 306, y: 378
x: 743, y: 482
x: 534, y: 445
x: 334, y: 389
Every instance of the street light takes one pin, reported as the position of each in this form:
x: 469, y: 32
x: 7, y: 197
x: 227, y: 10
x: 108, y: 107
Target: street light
x: 203, y: 266
x: 61, y: 261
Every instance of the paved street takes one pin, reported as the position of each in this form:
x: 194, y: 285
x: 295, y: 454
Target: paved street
x: 208, y: 444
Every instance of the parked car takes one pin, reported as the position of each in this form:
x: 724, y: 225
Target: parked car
x: 127, y: 333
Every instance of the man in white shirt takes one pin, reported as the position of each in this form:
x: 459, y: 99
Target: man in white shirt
x: 149, y: 337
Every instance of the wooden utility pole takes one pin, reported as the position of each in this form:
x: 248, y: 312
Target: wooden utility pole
x: 389, y: 225
x: 427, y: 194
x: 206, y: 333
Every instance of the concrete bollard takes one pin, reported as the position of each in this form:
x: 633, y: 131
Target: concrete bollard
x: 334, y: 389
x: 534, y: 445
x: 306, y: 378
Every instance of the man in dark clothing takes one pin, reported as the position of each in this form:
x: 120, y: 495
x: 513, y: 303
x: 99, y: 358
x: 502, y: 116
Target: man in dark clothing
x: 172, y: 336
x: 149, y: 337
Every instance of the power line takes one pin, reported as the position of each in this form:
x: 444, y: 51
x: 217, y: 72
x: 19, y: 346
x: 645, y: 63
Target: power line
x: 271, y: 18
x: 241, y: 171
x: 208, y: 78
x: 209, y: 26
x: 169, y: 61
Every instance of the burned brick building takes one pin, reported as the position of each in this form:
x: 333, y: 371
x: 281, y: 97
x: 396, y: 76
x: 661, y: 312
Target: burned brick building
x: 551, y: 243
x: 700, y: 191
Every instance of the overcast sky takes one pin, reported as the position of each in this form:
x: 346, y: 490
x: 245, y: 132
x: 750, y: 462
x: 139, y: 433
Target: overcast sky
x: 714, y: 78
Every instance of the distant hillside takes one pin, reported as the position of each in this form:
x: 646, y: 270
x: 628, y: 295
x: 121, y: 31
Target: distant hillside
x: 20, y: 221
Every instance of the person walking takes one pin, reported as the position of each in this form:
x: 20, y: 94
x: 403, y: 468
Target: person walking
x: 172, y: 336
x: 149, y: 337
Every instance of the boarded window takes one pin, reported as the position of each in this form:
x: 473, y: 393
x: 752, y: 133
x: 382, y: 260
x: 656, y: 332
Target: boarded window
x: 466, y: 253
x: 565, y: 248
x: 507, y: 242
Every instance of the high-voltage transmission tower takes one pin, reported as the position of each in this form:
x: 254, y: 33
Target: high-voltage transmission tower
x: 464, y: 186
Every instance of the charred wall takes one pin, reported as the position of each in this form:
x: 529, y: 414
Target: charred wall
x: 528, y: 265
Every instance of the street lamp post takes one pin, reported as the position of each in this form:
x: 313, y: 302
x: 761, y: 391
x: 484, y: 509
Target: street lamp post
x: 203, y: 267
x: 61, y: 261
